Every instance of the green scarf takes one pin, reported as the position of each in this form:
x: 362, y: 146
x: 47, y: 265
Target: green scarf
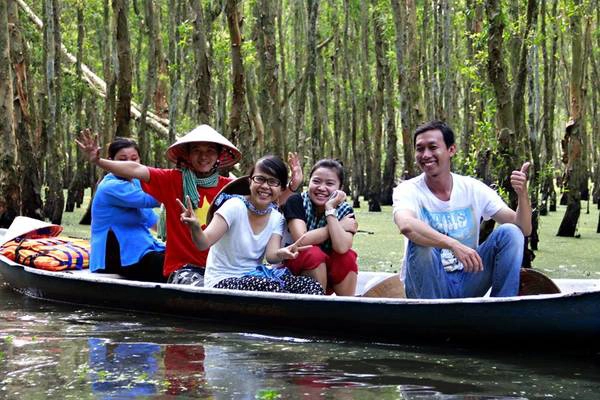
x: 190, y: 188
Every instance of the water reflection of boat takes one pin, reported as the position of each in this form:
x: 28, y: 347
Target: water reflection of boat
x: 571, y: 317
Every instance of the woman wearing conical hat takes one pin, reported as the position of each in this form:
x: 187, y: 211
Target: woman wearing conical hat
x: 198, y: 155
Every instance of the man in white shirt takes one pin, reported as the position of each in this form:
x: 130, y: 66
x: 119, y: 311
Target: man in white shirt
x: 439, y: 214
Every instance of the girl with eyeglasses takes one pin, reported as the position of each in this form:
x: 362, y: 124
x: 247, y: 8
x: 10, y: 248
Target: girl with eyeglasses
x: 246, y: 230
x: 322, y: 219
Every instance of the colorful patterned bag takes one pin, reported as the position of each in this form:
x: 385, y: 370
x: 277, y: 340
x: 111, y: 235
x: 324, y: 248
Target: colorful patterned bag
x: 52, y: 254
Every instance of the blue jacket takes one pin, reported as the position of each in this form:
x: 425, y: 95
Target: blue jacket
x: 123, y: 207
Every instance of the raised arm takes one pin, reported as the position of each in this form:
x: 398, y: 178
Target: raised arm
x: 295, y: 180
x: 88, y: 143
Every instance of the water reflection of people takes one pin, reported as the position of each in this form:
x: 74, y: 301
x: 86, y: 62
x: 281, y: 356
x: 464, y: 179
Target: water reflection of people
x: 123, y: 369
x: 184, y: 368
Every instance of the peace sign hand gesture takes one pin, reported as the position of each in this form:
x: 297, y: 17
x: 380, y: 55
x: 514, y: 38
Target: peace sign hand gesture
x: 293, y: 250
x: 188, y: 216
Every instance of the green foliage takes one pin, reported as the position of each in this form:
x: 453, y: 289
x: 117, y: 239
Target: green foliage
x: 268, y: 394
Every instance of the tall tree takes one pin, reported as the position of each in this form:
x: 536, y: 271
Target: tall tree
x: 53, y: 207
x: 25, y: 121
x: 151, y: 24
x: 239, y: 123
x: 311, y: 72
x: 572, y: 143
x: 270, y: 105
x: 202, y: 75
x: 378, y: 110
x: 352, y: 95
x: 399, y: 14
x: 79, y: 180
x: 413, y: 103
x: 549, y: 46
x: 498, y: 77
x: 174, y: 62
x: 124, y: 76
x: 365, y: 104
x: 520, y: 81
x: 106, y: 41
x: 9, y: 182
x: 301, y: 68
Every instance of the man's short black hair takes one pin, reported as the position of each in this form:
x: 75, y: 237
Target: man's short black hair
x: 436, y: 125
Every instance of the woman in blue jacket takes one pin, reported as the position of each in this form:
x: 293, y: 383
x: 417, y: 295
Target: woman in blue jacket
x: 122, y: 215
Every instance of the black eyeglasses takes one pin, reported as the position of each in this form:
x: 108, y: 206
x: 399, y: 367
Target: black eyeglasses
x: 273, y: 182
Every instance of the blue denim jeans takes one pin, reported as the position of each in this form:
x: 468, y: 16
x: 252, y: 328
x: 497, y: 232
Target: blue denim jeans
x: 501, y: 253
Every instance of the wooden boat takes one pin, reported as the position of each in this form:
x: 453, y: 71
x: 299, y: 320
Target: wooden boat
x: 568, y: 320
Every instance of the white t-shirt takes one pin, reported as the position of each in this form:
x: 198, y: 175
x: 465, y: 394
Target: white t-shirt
x: 458, y: 217
x: 239, y: 250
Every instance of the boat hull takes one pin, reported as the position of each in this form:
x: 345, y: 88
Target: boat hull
x: 530, y: 321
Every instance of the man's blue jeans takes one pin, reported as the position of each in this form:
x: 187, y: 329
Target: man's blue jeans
x: 501, y: 253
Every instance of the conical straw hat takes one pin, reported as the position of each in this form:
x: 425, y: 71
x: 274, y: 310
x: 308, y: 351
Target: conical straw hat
x: 30, y: 228
x: 229, y: 156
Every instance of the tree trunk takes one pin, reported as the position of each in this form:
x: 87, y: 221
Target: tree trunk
x: 413, y: 105
x: 25, y: 121
x: 124, y: 78
x: 548, y: 194
x: 239, y: 123
x: 270, y: 105
x: 202, y: 77
x: 399, y: 14
x: 351, y: 92
x: 326, y: 141
x: 300, y: 28
x: 53, y: 207
x: 281, y: 30
x: 366, y: 106
x: 174, y: 61
x: 340, y: 134
x: 106, y: 39
x: 378, y: 113
x: 311, y: 71
x: 258, y: 140
x: 520, y: 84
x: 151, y: 77
x: 391, y: 152
x: 572, y: 142
x: 9, y: 181
x: 78, y: 182
x: 505, y: 112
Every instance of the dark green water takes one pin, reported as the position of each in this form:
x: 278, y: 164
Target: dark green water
x: 52, y: 351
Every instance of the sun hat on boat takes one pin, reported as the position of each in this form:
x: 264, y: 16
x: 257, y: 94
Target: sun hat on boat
x: 30, y: 228
x: 239, y: 186
x: 228, y: 157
